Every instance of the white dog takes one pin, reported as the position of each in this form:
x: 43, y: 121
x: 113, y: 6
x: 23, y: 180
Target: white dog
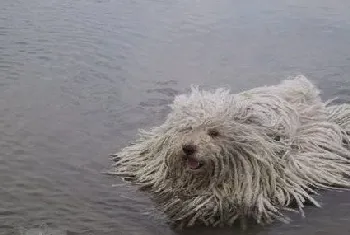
x: 222, y: 157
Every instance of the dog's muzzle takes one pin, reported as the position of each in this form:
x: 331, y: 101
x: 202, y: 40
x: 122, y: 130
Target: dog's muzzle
x: 191, y: 161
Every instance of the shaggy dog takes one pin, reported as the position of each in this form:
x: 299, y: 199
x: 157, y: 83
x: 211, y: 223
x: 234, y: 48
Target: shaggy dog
x: 222, y: 157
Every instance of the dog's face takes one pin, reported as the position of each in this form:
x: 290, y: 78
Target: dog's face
x: 199, y: 146
x: 199, y: 135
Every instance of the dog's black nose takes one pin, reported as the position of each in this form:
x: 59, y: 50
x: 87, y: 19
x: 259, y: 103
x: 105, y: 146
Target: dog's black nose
x: 189, y: 149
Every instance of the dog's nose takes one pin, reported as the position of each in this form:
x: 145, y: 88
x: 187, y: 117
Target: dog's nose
x: 189, y: 149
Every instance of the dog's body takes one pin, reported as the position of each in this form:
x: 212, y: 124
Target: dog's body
x: 220, y: 157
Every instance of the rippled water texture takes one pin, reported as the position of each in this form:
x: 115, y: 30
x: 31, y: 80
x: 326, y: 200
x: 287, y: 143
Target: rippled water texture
x: 78, y: 78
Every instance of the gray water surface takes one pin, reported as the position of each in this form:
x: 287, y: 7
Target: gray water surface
x: 78, y: 78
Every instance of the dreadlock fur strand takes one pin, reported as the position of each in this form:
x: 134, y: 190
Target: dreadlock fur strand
x: 252, y: 155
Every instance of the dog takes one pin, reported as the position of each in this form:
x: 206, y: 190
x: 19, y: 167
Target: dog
x: 220, y: 158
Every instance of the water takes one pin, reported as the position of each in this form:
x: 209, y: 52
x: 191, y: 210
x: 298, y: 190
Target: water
x: 78, y: 78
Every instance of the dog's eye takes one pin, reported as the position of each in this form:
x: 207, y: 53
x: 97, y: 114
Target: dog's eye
x: 213, y: 133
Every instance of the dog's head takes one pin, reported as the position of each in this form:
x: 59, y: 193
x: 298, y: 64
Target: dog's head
x: 214, y: 137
